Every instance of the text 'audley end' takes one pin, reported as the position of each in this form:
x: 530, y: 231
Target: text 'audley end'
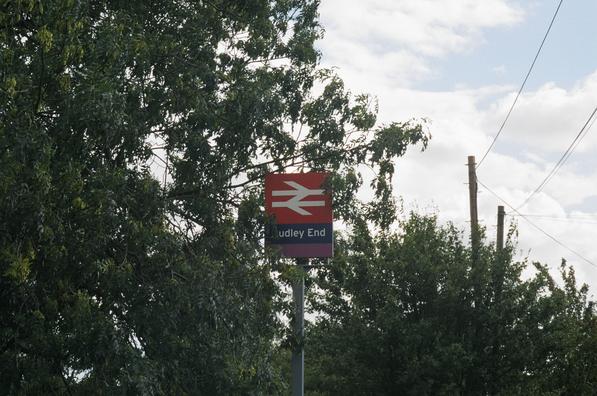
x: 293, y: 233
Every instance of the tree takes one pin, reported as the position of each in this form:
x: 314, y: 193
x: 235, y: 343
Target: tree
x: 406, y: 312
x: 114, y: 279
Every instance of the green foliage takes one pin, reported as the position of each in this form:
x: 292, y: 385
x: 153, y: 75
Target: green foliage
x: 114, y: 282
x: 407, y: 313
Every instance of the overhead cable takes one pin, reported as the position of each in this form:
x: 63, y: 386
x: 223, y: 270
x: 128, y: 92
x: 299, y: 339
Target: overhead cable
x: 575, y: 220
x: 537, y: 227
x: 522, y: 85
x: 571, y: 216
x: 581, y: 134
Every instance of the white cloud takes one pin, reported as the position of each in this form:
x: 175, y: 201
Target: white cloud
x: 363, y: 69
x: 400, y: 37
x: 548, y: 118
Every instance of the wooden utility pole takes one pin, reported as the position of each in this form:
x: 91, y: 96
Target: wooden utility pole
x: 500, y: 228
x: 472, y: 193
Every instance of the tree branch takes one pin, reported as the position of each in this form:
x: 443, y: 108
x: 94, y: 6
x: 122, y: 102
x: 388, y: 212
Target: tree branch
x: 182, y: 194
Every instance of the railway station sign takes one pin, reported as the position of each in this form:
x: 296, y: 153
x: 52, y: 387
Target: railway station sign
x: 299, y: 212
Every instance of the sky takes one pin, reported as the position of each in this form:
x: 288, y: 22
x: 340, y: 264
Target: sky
x: 459, y: 64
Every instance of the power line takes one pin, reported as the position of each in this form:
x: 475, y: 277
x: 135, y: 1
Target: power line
x: 559, y: 219
x: 537, y: 227
x: 581, y: 134
x: 522, y: 86
x: 572, y: 216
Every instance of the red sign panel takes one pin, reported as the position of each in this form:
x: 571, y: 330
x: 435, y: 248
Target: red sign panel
x: 299, y: 207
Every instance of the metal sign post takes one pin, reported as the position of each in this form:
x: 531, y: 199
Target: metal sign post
x: 298, y: 352
x: 299, y: 209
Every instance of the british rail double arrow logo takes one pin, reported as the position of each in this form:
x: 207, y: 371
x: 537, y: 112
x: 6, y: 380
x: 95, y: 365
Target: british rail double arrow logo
x: 298, y: 193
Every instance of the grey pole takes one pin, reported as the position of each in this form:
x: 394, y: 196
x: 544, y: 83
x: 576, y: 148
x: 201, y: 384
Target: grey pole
x: 298, y: 354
